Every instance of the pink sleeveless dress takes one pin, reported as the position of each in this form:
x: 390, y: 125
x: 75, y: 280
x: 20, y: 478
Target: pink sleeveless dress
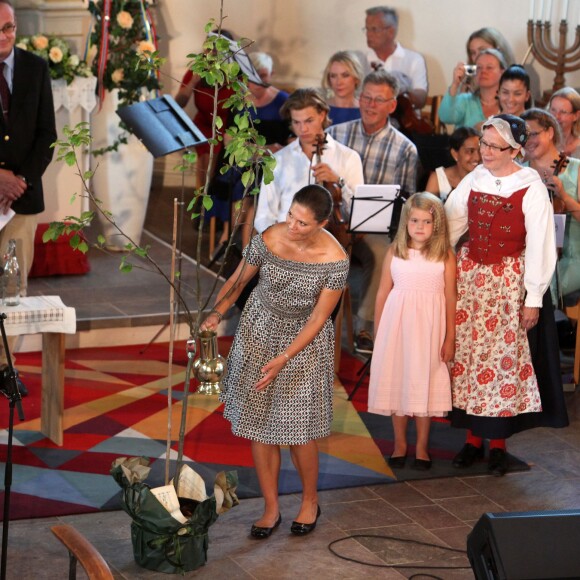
x: 408, y: 376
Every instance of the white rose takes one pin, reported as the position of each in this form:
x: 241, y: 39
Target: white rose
x: 117, y: 76
x: 40, y: 42
x: 22, y: 46
x: 124, y: 20
x: 55, y: 54
x: 74, y: 60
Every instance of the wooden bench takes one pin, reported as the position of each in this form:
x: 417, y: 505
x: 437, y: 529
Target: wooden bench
x: 81, y: 550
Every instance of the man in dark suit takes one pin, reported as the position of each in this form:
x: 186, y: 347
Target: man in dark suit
x: 27, y: 129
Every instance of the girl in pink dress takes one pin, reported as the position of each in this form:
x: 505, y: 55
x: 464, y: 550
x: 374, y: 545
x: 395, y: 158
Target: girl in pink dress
x: 415, y: 327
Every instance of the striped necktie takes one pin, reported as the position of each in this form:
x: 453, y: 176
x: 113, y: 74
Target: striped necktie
x: 4, y: 92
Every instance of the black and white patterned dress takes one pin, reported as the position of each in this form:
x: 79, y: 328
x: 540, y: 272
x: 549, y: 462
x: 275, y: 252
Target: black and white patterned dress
x: 297, y: 406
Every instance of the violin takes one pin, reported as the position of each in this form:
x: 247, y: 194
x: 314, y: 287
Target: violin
x: 336, y: 224
x: 558, y: 166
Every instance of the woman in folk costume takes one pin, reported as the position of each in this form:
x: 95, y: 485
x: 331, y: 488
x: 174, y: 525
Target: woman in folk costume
x: 506, y: 375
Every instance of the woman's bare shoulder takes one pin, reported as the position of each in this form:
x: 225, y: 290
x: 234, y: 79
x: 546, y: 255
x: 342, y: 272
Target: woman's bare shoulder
x: 334, y: 250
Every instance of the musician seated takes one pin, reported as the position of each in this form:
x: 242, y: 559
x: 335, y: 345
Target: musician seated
x: 560, y: 174
x: 296, y: 165
x: 388, y: 158
x: 312, y: 158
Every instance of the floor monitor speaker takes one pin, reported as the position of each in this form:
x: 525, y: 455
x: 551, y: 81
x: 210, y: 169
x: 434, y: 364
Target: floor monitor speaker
x: 526, y: 546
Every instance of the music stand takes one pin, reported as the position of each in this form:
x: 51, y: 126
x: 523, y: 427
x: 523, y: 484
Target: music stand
x: 163, y: 127
x: 375, y: 210
x: 243, y: 60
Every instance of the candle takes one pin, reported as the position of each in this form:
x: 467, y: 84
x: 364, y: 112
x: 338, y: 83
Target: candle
x: 532, y: 9
x: 548, y: 14
x: 541, y: 11
x: 565, y: 11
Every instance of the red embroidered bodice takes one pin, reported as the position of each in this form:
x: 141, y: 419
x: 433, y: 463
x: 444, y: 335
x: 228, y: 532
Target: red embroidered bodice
x: 496, y: 226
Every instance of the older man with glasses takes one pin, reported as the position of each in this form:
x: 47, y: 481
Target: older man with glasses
x: 27, y: 130
x: 408, y: 66
x: 388, y: 157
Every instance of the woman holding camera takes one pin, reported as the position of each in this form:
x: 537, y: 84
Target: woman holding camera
x: 472, y: 109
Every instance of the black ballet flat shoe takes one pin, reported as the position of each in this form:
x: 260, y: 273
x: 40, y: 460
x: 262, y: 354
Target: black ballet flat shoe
x: 261, y: 533
x: 498, y: 462
x: 299, y: 529
x: 397, y: 462
x: 422, y: 464
x: 467, y: 455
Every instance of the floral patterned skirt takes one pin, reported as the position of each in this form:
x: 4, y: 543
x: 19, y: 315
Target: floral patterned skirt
x: 492, y: 374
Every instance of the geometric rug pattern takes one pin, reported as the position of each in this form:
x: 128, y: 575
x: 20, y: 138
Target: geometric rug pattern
x: 116, y: 405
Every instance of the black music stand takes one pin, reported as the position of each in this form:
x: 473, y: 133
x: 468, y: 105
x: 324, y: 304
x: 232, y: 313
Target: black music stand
x: 374, y: 214
x: 163, y: 127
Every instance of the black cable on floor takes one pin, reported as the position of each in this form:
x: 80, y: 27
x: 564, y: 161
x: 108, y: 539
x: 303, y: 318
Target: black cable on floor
x: 400, y: 566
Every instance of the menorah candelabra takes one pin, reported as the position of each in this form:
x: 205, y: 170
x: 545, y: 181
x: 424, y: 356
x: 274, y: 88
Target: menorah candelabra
x: 557, y: 58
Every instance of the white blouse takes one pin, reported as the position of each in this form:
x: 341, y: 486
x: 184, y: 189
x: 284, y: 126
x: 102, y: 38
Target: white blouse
x: 540, y: 257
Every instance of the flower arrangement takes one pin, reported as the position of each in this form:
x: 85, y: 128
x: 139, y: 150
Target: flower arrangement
x: 123, y: 33
x: 62, y: 64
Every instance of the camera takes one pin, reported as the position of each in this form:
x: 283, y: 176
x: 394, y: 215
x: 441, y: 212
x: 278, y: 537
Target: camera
x: 470, y: 69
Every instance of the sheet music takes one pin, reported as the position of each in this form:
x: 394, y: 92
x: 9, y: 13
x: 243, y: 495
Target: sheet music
x: 168, y: 499
x: 372, y: 208
x: 560, y: 224
x: 382, y: 191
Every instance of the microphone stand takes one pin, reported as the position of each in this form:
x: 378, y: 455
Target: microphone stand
x: 9, y: 388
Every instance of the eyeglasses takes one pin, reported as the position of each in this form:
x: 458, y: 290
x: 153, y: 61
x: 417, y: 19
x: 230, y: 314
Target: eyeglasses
x: 374, y: 29
x: 367, y: 100
x: 495, y: 148
x: 534, y: 134
x: 8, y: 29
x: 555, y: 112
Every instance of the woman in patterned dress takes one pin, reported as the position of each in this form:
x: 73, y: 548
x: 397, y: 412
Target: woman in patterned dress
x: 499, y: 385
x: 278, y: 387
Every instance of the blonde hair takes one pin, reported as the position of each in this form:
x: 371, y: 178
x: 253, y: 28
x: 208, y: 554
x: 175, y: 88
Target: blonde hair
x: 352, y: 63
x: 437, y: 247
x: 496, y: 39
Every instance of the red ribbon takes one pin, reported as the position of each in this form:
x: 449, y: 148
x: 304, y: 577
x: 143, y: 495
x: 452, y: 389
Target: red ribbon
x: 104, y: 52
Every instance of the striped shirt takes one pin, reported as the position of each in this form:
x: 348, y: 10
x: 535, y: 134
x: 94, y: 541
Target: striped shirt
x: 388, y: 157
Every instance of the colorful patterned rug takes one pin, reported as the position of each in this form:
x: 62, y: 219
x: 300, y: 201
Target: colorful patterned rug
x: 116, y: 405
